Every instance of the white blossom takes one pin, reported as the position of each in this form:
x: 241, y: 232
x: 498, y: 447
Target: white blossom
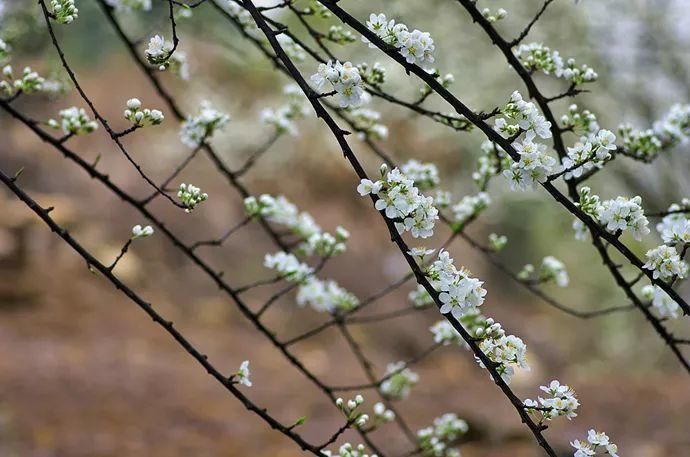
x: 347, y: 450
x: 596, y: 441
x: 401, y: 200
x: 561, y: 401
x: 313, y: 239
x: 424, y: 175
x: 326, y: 296
x: 536, y: 56
x: 196, y: 129
x: 663, y: 304
x: 399, y: 381
x: 417, y: 47
x: 459, y: 292
x: 552, y: 268
x: 590, y: 152
x: 674, y: 228
x: 436, y: 440
x: 64, y: 11
x: 508, y: 351
x: 242, y: 374
x: 30, y: 81
x: 141, y: 232
x: 190, y: 196
x: 666, y: 264
x: 383, y: 414
x: 344, y: 79
x: 469, y: 207
x: 142, y: 117
x: 366, y: 123
x: 288, y: 266
x: 159, y: 51
x: 283, y: 118
x: 74, y: 121
x: 616, y: 215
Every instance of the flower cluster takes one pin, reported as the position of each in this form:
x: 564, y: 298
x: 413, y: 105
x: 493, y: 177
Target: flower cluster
x: 350, y: 408
x: 663, y: 304
x: 366, y: 123
x: 344, y: 79
x: 675, y: 126
x: 420, y: 297
x: 28, y: 83
x: 283, y: 118
x: 553, y: 269
x: 666, y: 264
x: 347, y: 450
x: 584, y: 121
x: 417, y: 47
x: 341, y: 35
x: 130, y: 5
x: 64, y: 11
x: 550, y: 269
x: 497, y: 242
x: 374, y: 75
x: 460, y: 293
x: 401, y: 200
x: 326, y: 296
x: 444, y: 332
x: 536, y: 56
x: 590, y: 152
x: 142, y: 117
x: 141, y: 232
x: 159, y: 51
x: 469, y: 207
x: 242, y: 375
x: 288, y: 266
x: 494, y: 17
x: 424, y: 175
x: 435, y: 441
x: 615, y: 215
x: 596, y: 441
x: 671, y: 130
x: 383, y: 414
x: 399, y: 380
x: 190, y: 196
x: 74, y: 121
x: 505, y: 350
x: 196, y: 129
x: 527, y: 117
x: 561, y: 401
x: 490, y: 162
x: 535, y: 163
x: 281, y: 211
x: 674, y: 228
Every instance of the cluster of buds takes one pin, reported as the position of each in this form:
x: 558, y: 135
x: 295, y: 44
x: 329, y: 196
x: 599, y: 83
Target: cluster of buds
x: 350, y: 408
x: 64, y: 11
x: 190, y: 196
x: 74, y: 121
x: 494, y: 17
x: 497, y: 242
x: 29, y: 82
x: 142, y: 117
x: 141, y: 232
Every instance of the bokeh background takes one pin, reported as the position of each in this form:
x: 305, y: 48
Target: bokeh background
x: 84, y: 373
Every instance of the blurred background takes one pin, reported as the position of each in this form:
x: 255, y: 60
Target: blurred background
x: 83, y: 372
